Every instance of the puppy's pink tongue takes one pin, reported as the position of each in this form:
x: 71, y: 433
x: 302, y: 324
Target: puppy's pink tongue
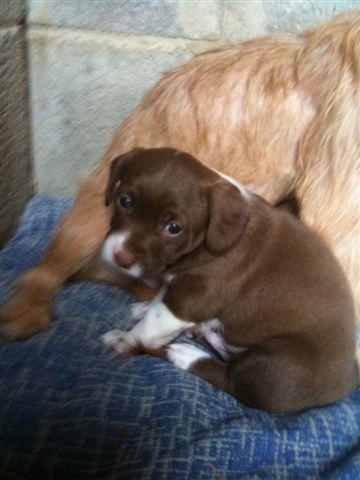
x: 152, y: 282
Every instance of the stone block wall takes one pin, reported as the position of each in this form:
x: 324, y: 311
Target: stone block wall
x: 15, y: 153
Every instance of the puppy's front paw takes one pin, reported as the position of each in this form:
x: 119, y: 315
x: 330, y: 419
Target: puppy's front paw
x: 116, y: 340
x: 112, y: 337
x: 139, y: 309
x: 184, y: 356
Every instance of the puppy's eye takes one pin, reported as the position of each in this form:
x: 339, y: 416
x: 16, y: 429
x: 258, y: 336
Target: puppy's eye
x: 125, y: 201
x: 173, y: 229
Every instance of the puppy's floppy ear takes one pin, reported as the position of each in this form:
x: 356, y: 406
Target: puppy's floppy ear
x: 115, y: 173
x: 229, y: 214
x: 114, y: 177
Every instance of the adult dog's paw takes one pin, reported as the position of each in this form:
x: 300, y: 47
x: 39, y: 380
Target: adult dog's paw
x: 21, y: 318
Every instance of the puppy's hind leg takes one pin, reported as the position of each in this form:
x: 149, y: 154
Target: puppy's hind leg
x: 200, y: 363
x: 275, y: 382
x: 206, y: 335
x: 287, y: 379
x: 252, y: 379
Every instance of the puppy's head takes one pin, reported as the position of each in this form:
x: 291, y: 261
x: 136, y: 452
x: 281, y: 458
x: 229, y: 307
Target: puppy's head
x: 165, y: 205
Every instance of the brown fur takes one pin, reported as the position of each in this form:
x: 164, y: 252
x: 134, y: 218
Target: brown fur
x: 279, y: 113
x: 274, y: 286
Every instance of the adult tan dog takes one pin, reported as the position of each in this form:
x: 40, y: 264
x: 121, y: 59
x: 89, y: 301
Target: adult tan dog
x: 280, y: 114
x: 280, y: 304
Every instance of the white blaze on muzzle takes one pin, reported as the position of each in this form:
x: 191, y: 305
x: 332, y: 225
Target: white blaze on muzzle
x: 114, y: 243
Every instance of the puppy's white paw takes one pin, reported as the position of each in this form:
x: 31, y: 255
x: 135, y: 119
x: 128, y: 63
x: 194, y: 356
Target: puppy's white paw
x: 139, y: 309
x: 112, y: 337
x: 183, y: 355
x: 115, y: 339
x: 123, y: 348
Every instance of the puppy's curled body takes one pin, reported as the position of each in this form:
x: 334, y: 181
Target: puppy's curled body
x: 283, y: 306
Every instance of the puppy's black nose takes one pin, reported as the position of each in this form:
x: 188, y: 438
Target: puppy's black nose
x: 124, y: 259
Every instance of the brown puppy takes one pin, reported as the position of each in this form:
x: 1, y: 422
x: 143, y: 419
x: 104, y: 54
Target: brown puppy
x: 279, y: 301
x: 280, y: 114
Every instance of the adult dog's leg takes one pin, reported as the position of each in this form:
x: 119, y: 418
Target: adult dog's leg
x: 78, y: 236
x: 328, y: 177
x: 335, y: 217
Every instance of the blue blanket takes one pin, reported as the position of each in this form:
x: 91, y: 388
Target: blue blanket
x: 71, y: 409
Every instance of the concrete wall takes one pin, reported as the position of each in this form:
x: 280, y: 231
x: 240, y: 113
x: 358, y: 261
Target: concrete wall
x: 15, y: 154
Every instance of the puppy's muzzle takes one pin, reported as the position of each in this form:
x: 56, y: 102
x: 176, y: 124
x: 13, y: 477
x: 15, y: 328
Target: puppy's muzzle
x: 124, y: 259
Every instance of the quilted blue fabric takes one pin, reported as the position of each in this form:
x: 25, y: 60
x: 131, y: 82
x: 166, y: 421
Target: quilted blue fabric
x: 71, y: 409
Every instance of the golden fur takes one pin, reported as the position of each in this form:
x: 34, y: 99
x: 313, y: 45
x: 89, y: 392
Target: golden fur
x: 280, y: 114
